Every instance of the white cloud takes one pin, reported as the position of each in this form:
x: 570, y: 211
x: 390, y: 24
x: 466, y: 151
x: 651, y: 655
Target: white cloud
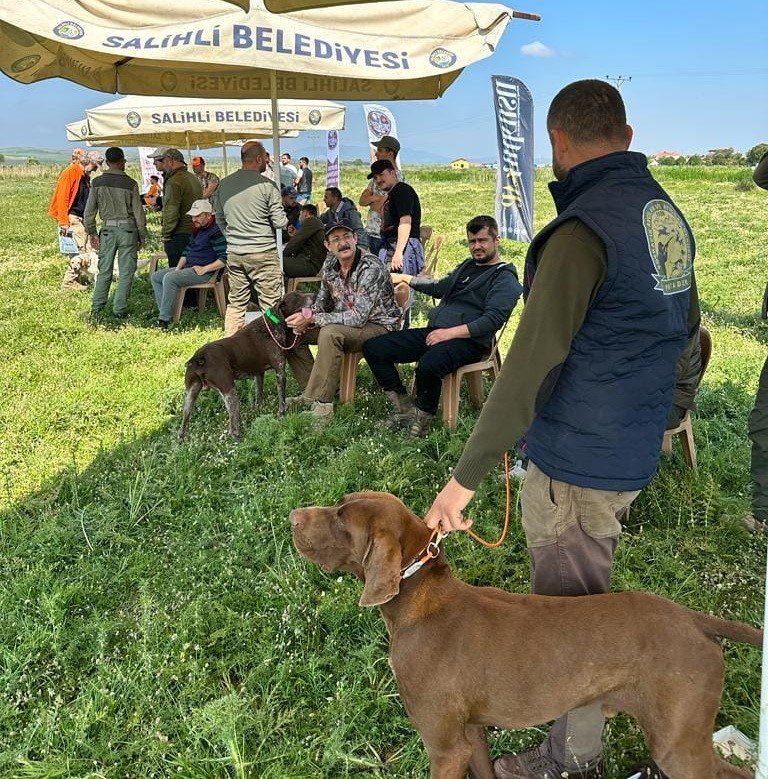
x: 537, y: 49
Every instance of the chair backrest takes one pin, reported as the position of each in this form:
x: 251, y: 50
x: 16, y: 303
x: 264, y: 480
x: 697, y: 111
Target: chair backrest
x: 706, y: 349
x: 425, y: 234
x: 433, y: 252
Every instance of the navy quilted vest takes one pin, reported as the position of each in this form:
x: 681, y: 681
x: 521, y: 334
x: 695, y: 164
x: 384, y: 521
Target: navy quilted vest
x: 603, y: 423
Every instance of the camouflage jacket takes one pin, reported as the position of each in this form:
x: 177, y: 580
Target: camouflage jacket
x: 365, y: 297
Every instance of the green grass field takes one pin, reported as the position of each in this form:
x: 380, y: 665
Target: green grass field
x: 157, y: 621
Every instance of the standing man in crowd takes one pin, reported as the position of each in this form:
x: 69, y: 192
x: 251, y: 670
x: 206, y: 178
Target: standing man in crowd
x: 356, y: 301
x: 387, y: 148
x: 589, y: 376
x: 305, y: 252
x: 180, y: 189
x: 208, y: 181
x: 303, y: 181
x: 342, y: 209
x: 401, y: 221
x: 204, y: 256
x: 758, y: 418
x: 115, y: 198
x: 476, y: 299
x: 288, y: 172
x: 269, y: 171
x: 249, y: 210
x: 68, y: 207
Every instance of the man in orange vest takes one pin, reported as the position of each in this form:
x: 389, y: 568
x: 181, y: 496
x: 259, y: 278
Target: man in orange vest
x: 67, y: 207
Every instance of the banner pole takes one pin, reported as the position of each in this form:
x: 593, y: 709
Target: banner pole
x: 189, y: 150
x: 224, y: 149
x: 276, y: 163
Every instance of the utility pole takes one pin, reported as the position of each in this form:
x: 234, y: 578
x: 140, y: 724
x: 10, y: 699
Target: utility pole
x: 617, y: 81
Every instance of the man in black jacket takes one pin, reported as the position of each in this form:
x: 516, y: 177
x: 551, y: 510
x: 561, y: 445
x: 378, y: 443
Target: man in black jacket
x: 476, y: 299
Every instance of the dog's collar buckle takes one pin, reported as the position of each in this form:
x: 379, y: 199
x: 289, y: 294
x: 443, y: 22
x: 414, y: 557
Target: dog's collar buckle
x: 430, y: 552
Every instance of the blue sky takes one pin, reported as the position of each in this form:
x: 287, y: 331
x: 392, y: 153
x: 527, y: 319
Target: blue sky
x: 699, y: 79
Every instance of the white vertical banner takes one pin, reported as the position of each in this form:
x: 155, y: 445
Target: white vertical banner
x: 332, y: 167
x: 380, y: 122
x: 147, y: 166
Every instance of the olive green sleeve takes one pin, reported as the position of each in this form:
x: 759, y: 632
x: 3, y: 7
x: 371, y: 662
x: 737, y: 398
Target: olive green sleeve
x: 571, y: 267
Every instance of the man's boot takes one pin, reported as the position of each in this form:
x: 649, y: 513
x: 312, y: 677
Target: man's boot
x: 421, y: 423
x: 402, y: 411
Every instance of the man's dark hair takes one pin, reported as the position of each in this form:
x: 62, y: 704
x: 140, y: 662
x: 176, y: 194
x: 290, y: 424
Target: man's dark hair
x: 114, y: 154
x: 285, y: 154
x: 335, y: 191
x: 589, y: 111
x: 304, y: 159
x: 251, y: 151
x: 310, y: 208
x: 477, y: 223
x: 156, y: 178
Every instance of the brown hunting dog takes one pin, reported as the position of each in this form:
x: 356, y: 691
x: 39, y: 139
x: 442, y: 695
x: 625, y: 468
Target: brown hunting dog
x: 250, y: 352
x: 469, y: 657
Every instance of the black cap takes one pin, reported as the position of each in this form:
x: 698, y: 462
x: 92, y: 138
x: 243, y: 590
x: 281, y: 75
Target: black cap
x: 341, y: 223
x: 379, y: 167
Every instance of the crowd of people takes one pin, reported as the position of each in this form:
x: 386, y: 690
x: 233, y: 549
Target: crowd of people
x: 605, y: 357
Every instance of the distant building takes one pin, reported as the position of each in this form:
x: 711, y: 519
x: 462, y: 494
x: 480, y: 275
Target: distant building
x: 675, y: 155
x: 461, y: 164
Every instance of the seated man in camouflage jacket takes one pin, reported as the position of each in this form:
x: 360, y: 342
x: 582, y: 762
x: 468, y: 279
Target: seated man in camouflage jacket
x: 356, y: 302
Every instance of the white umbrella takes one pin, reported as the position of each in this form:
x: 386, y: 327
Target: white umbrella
x: 290, y: 6
x: 396, y: 50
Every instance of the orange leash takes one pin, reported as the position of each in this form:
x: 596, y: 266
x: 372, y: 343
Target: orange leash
x: 496, y: 544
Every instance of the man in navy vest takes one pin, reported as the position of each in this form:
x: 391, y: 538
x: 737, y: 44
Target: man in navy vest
x: 589, y: 378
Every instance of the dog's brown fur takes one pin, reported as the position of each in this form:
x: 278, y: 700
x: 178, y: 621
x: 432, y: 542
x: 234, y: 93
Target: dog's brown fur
x: 468, y: 657
x: 250, y: 352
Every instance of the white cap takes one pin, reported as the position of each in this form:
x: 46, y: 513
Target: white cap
x: 200, y: 207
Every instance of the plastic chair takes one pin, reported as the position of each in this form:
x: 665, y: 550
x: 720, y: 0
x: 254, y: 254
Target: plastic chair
x: 473, y: 374
x: 217, y: 284
x: 348, y: 376
x: 431, y: 255
x: 685, y: 428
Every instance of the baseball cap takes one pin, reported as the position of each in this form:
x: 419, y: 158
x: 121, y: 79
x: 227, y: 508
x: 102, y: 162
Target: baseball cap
x: 288, y: 191
x: 388, y: 142
x: 198, y: 160
x: 345, y: 225
x: 379, y: 167
x: 171, y: 153
x: 200, y: 207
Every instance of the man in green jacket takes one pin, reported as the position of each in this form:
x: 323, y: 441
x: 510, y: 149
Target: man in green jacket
x: 180, y: 189
x: 305, y: 252
x: 114, y: 196
x: 758, y: 418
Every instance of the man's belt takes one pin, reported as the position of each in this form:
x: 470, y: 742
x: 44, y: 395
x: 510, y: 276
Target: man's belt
x: 119, y: 223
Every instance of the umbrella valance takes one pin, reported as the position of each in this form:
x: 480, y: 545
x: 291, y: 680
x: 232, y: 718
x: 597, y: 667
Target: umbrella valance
x: 135, y: 115
x: 401, y: 49
x: 77, y: 132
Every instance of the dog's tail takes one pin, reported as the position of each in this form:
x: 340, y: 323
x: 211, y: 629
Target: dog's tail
x: 714, y: 627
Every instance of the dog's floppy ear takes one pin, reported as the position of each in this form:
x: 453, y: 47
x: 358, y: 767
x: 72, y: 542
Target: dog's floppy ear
x: 381, y: 565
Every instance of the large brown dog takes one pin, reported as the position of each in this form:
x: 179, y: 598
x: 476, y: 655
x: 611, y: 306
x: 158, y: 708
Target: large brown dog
x: 467, y: 657
x: 250, y: 352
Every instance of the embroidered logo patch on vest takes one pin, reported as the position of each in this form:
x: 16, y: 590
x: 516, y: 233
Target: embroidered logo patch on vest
x: 669, y: 245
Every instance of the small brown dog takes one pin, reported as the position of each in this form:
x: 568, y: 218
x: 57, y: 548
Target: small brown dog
x: 251, y: 351
x: 468, y: 657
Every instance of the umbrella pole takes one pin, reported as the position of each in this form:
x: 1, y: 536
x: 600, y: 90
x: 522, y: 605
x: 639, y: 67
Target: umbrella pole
x: 276, y: 158
x: 189, y: 150
x: 224, y: 149
x: 762, y: 745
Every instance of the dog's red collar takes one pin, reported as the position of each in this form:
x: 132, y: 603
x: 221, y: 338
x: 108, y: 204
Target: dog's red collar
x: 296, y: 336
x: 429, y: 552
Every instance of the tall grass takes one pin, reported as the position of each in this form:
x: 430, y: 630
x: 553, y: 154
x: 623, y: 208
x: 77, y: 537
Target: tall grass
x: 156, y: 620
